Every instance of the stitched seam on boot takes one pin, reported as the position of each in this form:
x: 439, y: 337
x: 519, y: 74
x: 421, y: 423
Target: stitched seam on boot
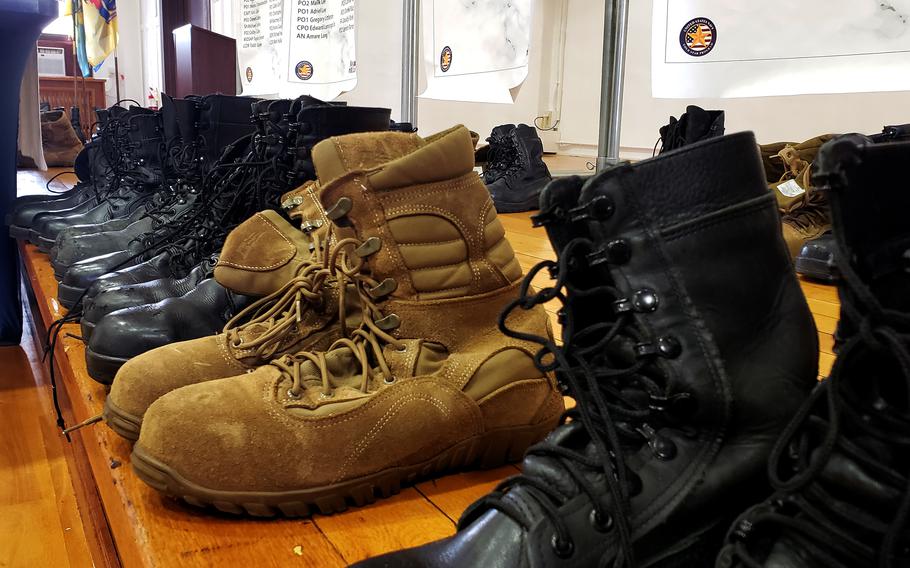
x: 724, y: 215
x: 277, y: 264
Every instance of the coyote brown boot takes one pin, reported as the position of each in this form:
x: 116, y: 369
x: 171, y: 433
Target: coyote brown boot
x: 804, y: 208
x: 426, y: 383
x: 840, y: 469
x: 265, y: 255
x: 60, y: 143
x: 687, y: 346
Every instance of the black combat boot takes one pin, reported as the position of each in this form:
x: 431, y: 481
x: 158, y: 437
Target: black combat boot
x: 519, y: 185
x: 248, y: 167
x: 309, y: 122
x: 694, y: 125
x: 687, y: 345
x: 201, y: 311
x: 216, y: 112
x: 142, y: 178
x: 186, y: 155
x: 101, y: 157
x: 841, y: 467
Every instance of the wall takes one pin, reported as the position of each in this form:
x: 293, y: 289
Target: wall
x: 379, y: 72
x: 772, y: 118
x: 129, y: 57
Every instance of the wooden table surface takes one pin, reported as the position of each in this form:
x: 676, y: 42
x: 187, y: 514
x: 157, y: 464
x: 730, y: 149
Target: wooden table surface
x: 128, y: 523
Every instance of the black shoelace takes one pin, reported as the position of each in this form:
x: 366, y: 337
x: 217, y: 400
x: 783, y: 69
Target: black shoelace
x: 501, y: 155
x: 620, y: 407
x: 801, y: 508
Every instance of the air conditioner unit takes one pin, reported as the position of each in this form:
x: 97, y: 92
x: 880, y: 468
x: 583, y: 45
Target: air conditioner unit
x: 51, y: 61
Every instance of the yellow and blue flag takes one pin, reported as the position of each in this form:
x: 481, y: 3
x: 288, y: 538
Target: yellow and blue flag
x: 96, y: 31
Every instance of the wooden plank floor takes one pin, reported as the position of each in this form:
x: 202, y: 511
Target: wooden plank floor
x: 121, y: 520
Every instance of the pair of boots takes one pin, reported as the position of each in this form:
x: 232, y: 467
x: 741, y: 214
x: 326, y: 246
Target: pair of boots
x: 514, y: 170
x: 693, y: 368
x: 168, y: 294
x: 377, y: 361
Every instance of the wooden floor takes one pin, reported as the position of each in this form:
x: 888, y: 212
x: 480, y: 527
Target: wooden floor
x: 78, y: 504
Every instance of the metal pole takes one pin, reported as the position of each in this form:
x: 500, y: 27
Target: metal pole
x: 616, y: 20
x: 409, y: 32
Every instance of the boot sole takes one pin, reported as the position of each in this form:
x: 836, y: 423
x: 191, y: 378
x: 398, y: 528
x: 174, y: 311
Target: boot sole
x: 20, y: 233
x: 102, y: 368
x: 817, y: 269
x: 489, y: 450
x: 521, y: 207
x: 68, y: 296
x: 122, y: 423
x: 87, y: 329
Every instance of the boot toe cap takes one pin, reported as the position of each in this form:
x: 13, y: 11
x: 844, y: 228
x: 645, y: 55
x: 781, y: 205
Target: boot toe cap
x: 220, y: 436
x: 149, y: 376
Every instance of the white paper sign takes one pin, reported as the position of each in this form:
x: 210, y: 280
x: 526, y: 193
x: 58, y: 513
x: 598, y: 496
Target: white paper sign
x: 290, y: 48
x: 475, y: 51
x: 322, y: 58
x: 717, y: 48
x: 259, y: 33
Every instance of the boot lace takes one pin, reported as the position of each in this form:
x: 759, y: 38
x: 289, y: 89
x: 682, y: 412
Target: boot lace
x: 803, y: 509
x: 620, y: 407
x: 809, y: 212
x: 502, y: 155
x: 263, y: 326
x: 366, y: 343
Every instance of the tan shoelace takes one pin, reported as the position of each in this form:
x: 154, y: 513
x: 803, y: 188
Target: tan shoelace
x: 366, y: 343
x: 278, y: 314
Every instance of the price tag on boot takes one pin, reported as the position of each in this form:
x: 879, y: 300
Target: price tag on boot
x: 790, y: 188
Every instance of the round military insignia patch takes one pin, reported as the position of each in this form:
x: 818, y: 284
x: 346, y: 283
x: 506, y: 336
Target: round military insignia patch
x: 249, y: 74
x: 445, y: 59
x: 698, y: 37
x: 304, y: 70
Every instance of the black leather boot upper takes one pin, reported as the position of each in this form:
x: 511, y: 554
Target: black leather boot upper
x: 125, y: 333
x: 143, y: 176
x: 694, y: 125
x: 841, y: 469
x: 687, y: 345
x: 98, y: 153
x: 518, y: 186
x: 182, y: 163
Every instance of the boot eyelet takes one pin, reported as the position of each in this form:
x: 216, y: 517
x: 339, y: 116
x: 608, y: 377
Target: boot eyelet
x: 601, y: 523
x: 669, y: 347
x: 598, y: 209
x: 341, y: 208
x: 402, y: 349
x: 368, y: 247
x: 293, y: 395
x: 326, y: 395
x: 619, y: 251
x: 562, y: 549
x: 388, y: 380
x: 645, y: 300
x: 384, y: 288
x: 391, y: 321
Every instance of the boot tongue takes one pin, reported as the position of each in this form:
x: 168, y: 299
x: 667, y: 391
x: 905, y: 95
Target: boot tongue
x: 257, y: 250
